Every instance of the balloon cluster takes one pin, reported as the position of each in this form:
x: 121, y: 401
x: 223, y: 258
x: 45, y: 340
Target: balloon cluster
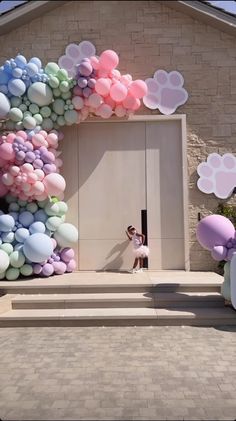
x: 35, y: 239
x: 29, y: 165
x: 217, y: 234
x: 101, y: 89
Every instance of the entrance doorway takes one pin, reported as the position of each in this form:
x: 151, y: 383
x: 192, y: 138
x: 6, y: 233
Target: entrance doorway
x: 125, y: 168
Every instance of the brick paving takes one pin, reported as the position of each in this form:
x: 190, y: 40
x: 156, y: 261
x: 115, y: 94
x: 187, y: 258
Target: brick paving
x: 131, y: 373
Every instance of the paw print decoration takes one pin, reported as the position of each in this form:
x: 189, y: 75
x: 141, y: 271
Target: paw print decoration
x: 165, y: 92
x: 218, y: 175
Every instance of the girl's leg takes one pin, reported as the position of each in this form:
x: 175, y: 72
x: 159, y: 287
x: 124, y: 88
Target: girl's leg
x: 141, y: 262
x: 135, y: 263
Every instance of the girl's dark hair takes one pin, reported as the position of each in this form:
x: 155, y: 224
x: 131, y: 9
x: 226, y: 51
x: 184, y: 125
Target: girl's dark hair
x: 129, y: 227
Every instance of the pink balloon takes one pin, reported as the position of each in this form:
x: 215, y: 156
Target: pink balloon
x: 95, y: 100
x: 109, y: 60
x: 14, y: 170
x: 105, y: 111
x: 54, y: 184
x: 71, y: 266
x: 95, y: 62
x: 103, y: 73
x: 27, y: 168
x: 137, y: 104
x: 102, y: 86
x: 125, y: 79
x: 2, y: 162
x: 39, y: 140
x: 6, y: 151
x: 120, y: 111
x: 3, y: 189
x: 129, y: 102
x: 118, y: 92
x: 109, y: 101
x: 40, y: 174
x: 11, y: 137
x: 42, y: 197
x: 7, y: 179
x: 67, y: 254
x: 78, y: 102
x: 115, y: 74
x: 32, y: 178
x: 22, y: 134
x: 54, y: 243
x: 138, y: 88
x: 77, y: 90
x: 52, y: 139
x: 38, y: 188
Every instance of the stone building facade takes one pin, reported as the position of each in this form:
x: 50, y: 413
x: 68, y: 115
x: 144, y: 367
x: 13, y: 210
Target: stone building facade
x: 151, y: 35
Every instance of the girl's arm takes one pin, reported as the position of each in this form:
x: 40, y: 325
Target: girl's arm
x: 143, y: 237
x: 128, y: 235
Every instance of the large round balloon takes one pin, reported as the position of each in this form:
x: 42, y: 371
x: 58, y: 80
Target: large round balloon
x: 66, y: 235
x: 4, y: 106
x: 38, y: 247
x: 39, y: 93
x: 214, y: 230
x: 4, y: 261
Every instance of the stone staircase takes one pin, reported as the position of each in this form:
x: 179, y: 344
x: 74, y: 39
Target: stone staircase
x: 116, y: 299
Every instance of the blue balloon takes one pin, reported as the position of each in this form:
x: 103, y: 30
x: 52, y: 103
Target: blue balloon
x: 7, y: 223
x: 4, y: 77
x: 18, y: 247
x: 16, y: 87
x: 14, y: 215
x: 8, y: 237
x: 38, y: 248
x: 41, y: 216
x: 17, y: 72
x: 37, y: 227
x: 32, y: 69
x: 26, y: 218
x: 4, y: 89
x: 36, y: 61
x: 21, y: 234
x: 20, y: 61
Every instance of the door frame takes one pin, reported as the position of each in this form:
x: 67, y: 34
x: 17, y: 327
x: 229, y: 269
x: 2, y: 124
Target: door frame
x: 182, y: 119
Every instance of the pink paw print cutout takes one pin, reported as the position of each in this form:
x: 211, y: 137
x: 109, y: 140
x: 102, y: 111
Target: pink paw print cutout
x: 165, y: 92
x: 74, y: 54
x: 218, y: 175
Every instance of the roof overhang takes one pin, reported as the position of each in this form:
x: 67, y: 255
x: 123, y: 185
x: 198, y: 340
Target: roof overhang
x: 25, y: 13
x: 204, y: 12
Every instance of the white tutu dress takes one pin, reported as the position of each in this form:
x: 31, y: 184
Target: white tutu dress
x: 140, y: 251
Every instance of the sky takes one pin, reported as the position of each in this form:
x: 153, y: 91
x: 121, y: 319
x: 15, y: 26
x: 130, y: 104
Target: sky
x: 229, y: 6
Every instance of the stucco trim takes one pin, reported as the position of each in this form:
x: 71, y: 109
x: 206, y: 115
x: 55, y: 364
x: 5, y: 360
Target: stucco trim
x: 23, y: 14
x: 210, y: 15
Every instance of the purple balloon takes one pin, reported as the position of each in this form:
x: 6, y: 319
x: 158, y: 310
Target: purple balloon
x: 82, y: 82
x: 85, y: 68
x: 38, y: 163
x: 91, y: 83
x: 48, y: 168
x: 29, y: 157
x: 59, y: 267
x: 71, y: 266
x: 29, y: 146
x: 67, y: 254
x: 37, y: 268
x: 230, y: 253
x: 20, y: 155
x: 47, y: 269
x: 214, y: 230
x: 219, y: 253
x: 87, y: 92
x: 48, y: 157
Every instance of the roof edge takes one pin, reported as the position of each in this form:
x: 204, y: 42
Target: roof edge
x: 28, y: 11
x: 206, y: 13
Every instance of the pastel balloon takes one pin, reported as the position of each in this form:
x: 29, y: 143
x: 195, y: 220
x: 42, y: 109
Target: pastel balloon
x: 26, y: 270
x: 120, y: 111
x: 95, y: 100
x: 17, y: 259
x: 7, y: 223
x: 85, y: 68
x: 47, y: 269
x: 71, y: 265
x: 12, y: 274
x: 4, y: 261
x: 40, y: 94
x: 108, y: 59
x: 102, y: 86
x: 6, y: 151
x: 54, y: 184
x: 78, y: 102
x: 66, y: 235
x: 37, y: 269
x: 219, y: 253
x: 38, y: 247
x: 53, y: 223
x: 26, y: 218
x: 37, y: 226
x: 214, y: 230
x: 16, y: 87
x: 118, y: 92
x: 59, y: 267
x: 4, y: 106
x: 21, y: 234
x: 105, y: 111
x: 138, y: 88
x: 67, y: 254
x: 7, y: 247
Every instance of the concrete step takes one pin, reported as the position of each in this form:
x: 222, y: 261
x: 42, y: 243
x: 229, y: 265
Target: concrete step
x: 119, y: 317
x: 116, y: 300
x: 92, y: 282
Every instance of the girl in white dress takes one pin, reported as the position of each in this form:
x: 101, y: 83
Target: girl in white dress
x: 140, y: 251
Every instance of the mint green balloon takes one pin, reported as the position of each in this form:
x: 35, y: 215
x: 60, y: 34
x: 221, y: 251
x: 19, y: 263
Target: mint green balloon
x: 15, y: 114
x: 45, y: 112
x: 56, y: 126
x: 53, y: 81
x: 56, y: 92
x: 22, y: 203
x: 14, y: 207
x: 52, y: 68
x: 7, y: 247
x: 71, y: 116
x: 26, y: 270
x: 63, y: 208
x: 23, y: 107
x: 15, y: 101
x: 47, y: 124
x: 66, y: 95
x: 17, y: 259
x: 19, y: 125
x: 12, y: 274
x: 60, y: 121
x: 42, y: 203
x: 54, y: 116
x: 38, y: 118
x: 27, y: 113
x: 52, y: 209
x: 64, y: 86
x: 3, y: 275
x: 62, y: 74
x: 53, y: 223
x: 32, y: 207
x: 66, y: 235
x: 58, y: 106
x: 29, y: 122
x: 34, y: 109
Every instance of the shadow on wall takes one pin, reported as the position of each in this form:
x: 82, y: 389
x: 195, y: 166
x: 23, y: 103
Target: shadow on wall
x: 117, y: 261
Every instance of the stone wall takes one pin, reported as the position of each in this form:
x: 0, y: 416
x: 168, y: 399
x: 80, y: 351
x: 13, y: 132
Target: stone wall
x: 149, y: 35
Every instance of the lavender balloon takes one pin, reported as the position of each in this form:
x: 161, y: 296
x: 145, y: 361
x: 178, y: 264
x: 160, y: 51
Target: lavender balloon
x: 214, y: 230
x: 219, y: 253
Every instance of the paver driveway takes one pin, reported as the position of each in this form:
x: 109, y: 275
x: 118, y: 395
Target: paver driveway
x: 118, y: 373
